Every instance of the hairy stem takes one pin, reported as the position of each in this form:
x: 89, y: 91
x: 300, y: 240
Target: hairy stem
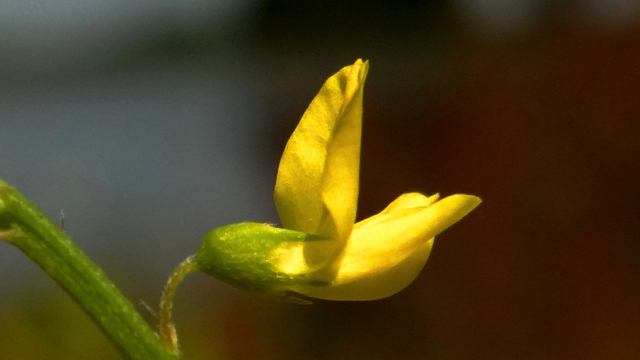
x: 167, y: 329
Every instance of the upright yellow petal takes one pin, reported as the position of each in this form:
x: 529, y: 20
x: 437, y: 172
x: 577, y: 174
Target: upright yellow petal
x: 317, y: 184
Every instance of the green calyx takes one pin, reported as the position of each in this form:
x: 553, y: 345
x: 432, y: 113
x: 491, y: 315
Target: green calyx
x: 242, y: 255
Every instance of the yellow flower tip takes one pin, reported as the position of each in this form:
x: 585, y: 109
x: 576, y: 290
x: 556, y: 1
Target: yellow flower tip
x: 450, y: 210
x: 353, y: 78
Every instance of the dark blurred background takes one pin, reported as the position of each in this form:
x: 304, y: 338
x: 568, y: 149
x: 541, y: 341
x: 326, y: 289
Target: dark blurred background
x: 151, y: 122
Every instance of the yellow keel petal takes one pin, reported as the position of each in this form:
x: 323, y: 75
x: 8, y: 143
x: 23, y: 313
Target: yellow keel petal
x: 386, y: 252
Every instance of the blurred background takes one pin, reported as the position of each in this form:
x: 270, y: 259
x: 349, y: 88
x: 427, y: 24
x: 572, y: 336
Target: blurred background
x: 149, y: 123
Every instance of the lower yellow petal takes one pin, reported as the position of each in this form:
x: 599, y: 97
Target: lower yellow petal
x: 386, y: 252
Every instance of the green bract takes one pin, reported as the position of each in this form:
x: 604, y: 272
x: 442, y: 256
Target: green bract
x: 246, y: 255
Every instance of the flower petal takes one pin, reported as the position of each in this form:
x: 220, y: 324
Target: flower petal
x: 317, y: 185
x: 386, y: 252
x: 404, y: 201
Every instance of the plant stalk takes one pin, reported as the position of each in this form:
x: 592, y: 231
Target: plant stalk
x: 23, y: 225
x: 167, y: 329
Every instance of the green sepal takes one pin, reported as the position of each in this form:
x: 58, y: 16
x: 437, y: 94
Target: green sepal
x: 242, y: 256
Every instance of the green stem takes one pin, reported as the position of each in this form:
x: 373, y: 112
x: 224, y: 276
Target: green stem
x: 23, y: 225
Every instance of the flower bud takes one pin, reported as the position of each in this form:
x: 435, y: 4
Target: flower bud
x: 246, y: 256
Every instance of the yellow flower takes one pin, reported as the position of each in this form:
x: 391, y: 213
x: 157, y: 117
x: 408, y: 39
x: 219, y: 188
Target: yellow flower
x: 321, y: 252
